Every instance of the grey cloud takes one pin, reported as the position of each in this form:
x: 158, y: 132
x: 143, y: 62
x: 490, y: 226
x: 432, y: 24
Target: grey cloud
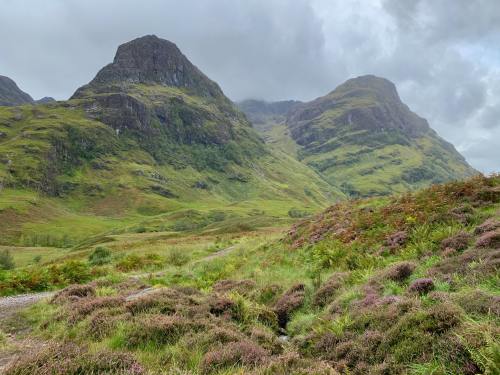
x: 490, y: 117
x: 447, y: 20
x: 442, y: 55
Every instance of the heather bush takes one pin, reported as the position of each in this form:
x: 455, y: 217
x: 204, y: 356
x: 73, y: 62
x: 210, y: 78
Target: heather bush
x: 417, y: 331
x: 73, y: 292
x: 102, y: 323
x: 70, y: 359
x: 326, y: 293
x: 400, y: 272
x: 80, y: 309
x: 459, y: 242
x: 214, y: 336
x: 222, y: 306
x: 241, y: 353
x: 421, y: 286
x: 290, y: 301
x: 157, y: 330
x: 441, y: 317
x: 294, y: 363
x: 396, y: 240
x: 463, y: 213
x: 487, y: 226
x: 478, y: 302
x: 460, y: 264
x: 449, y: 252
x: 167, y: 301
x: 267, y: 339
x: 489, y: 240
x: 242, y: 287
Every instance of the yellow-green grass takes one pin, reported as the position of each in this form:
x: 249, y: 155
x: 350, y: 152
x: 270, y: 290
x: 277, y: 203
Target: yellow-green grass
x: 27, y: 256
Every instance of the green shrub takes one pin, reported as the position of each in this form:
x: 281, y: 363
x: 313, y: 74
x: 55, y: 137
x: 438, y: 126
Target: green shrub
x: 301, y: 323
x: 133, y: 262
x: 177, y: 257
x: 101, y: 255
x: 70, y: 272
x: 6, y: 260
x: 297, y: 214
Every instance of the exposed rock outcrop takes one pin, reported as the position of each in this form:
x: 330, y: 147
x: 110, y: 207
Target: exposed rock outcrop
x: 11, y: 94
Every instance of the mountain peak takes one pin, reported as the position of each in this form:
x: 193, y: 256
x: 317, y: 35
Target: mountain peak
x: 11, y: 94
x: 152, y: 60
x: 381, y: 87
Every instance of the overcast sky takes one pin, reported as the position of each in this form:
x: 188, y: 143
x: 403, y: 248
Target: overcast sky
x: 443, y: 55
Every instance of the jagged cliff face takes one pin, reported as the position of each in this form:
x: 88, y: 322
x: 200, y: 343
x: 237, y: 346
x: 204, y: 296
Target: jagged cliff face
x: 150, y: 133
x: 366, y: 103
x: 11, y: 95
x: 154, y: 94
x: 151, y: 60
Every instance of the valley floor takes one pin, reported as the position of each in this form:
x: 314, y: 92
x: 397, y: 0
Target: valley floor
x: 401, y: 285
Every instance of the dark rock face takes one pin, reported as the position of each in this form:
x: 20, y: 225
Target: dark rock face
x: 120, y: 111
x: 45, y: 100
x: 363, y: 103
x: 154, y: 96
x: 11, y: 94
x: 152, y: 60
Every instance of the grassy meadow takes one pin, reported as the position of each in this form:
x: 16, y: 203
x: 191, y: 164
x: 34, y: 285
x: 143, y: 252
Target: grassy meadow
x: 406, y: 284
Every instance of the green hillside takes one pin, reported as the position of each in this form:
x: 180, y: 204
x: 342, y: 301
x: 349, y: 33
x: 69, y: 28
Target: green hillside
x: 361, y: 138
x: 138, y: 143
x: 398, y: 285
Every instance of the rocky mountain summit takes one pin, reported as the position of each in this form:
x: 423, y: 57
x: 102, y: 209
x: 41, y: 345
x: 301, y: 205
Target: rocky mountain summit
x: 362, y: 138
x: 149, y: 135
x: 11, y: 94
x: 151, y: 60
x: 363, y: 103
x: 154, y: 94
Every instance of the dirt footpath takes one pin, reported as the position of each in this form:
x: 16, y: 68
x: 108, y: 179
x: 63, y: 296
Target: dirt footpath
x: 14, y: 329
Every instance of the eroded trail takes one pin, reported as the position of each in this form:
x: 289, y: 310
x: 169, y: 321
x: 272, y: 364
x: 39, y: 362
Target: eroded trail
x: 17, y: 331
x: 9, y: 306
x: 17, y: 339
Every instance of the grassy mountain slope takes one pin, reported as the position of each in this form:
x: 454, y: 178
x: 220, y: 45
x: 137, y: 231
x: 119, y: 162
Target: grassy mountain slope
x: 138, y: 143
x: 363, y: 139
x: 397, y: 285
x: 11, y: 94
